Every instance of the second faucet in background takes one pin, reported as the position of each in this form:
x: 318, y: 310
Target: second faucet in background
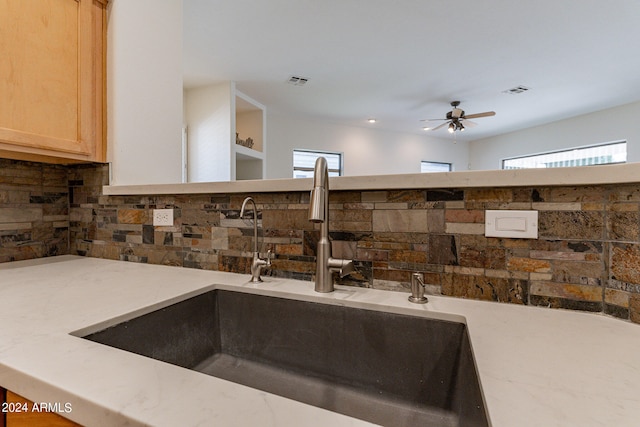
x: 258, y: 263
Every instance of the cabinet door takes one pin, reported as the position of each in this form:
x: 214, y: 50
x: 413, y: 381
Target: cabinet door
x: 51, y: 77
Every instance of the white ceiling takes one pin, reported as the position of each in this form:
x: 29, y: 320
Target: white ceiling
x: 405, y: 60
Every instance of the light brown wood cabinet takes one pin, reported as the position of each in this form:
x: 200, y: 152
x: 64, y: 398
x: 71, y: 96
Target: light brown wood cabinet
x: 19, y: 412
x: 52, y: 80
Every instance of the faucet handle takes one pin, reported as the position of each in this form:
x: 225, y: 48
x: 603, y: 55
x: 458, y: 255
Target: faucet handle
x: 343, y: 266
x: 258, y: 264
x: 263, y: 262
x: 347, y: 268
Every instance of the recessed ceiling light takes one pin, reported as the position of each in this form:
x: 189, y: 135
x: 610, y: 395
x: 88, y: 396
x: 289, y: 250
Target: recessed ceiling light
x: 372, y: 120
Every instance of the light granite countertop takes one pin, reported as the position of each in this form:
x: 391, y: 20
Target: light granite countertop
x: 538, y: 367
x: 584, y: 175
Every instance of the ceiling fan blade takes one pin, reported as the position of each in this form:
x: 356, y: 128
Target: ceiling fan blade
x: 468, y: 123
x: 439, y: 126
x: 477, y: 115
x: 431, y: 120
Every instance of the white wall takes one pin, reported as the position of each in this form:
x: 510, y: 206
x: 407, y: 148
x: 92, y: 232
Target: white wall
x: 144, y: 91
x: 209, y: 115
x: 366, y: 151
x: 614, y: 124
x: 145, y: 117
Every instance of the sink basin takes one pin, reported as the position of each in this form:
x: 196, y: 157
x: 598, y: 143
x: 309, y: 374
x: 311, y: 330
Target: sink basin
x: 385, y: 368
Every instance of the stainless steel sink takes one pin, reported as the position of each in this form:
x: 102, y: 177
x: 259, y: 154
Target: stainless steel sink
x: 388, y: 369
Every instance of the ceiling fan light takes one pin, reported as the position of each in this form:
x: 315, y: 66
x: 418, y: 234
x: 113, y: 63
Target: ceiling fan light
x: 451, y: 128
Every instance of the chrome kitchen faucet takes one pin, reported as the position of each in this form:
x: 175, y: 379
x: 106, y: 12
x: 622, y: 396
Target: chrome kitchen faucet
x: 258, y: 263
x: 319, y: 212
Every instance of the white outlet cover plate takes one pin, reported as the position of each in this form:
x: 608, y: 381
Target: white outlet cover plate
x: 507, y: 223
x: 163, y: 217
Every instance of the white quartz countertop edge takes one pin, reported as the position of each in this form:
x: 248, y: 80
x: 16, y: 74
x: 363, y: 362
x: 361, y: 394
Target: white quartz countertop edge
x: 538, y: 367
x: 585, y: 175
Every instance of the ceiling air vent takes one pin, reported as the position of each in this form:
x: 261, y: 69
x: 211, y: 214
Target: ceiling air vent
x: 297, y: 80
x: 516, y: 90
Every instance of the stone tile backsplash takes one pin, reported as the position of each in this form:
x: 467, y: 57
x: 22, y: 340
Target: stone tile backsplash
x: 34, y: 210
x: 586, y: 258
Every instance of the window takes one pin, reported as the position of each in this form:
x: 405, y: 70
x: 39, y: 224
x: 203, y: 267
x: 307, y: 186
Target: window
x: 305, y: 160
x: 581, y: 156
x: 435, y: 167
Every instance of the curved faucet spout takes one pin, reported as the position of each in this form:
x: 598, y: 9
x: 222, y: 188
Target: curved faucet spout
x: 321, y: 173
x: 258, y: 263
x: 255, y: 220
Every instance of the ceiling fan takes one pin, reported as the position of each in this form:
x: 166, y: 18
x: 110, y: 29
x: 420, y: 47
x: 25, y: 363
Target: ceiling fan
x: 457, y: 119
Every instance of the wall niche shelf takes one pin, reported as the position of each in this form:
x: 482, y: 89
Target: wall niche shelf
x: 216, y: 116
x: 250, y: 122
